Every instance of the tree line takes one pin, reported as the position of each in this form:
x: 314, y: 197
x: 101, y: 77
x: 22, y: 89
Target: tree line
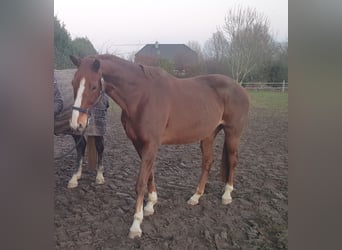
x: 65, y: 46
x: 243, y: 48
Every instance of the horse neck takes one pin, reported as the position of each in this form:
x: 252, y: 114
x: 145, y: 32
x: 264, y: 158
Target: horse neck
x: 126, y: 84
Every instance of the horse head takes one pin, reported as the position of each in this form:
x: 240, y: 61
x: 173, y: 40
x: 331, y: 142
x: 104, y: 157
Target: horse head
x: 87, y: 87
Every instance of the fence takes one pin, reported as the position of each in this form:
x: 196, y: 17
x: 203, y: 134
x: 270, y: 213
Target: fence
x: 273, y: 86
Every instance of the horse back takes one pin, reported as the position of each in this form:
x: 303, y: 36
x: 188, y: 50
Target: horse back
x: 215, y: 89
x: 195, y: 107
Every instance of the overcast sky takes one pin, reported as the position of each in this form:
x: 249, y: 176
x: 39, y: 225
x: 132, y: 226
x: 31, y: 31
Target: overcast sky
x: 111, y: 25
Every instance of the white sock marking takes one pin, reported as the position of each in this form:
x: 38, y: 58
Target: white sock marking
x: 194, y: 199
x: 226, y: 197
x: 138, y: 218
x: 152, y: 200
x: 73, y: 182
x: 99, y: 177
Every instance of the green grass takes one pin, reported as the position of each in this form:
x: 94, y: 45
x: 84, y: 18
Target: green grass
x: 268, y: 100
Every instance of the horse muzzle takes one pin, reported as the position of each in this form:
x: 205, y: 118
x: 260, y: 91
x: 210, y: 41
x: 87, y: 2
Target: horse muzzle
x: 79, y: 120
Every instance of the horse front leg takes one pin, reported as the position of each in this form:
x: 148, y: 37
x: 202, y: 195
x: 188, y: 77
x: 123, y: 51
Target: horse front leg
x: 230, y: 159
x: 80, y: 149
x: 99, y: 143
x: 148, y: 155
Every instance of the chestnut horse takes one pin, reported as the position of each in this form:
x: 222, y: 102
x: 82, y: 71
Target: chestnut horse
x: 158, y: 108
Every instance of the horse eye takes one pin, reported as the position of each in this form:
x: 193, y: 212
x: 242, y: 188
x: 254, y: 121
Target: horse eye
x: 93, y: 88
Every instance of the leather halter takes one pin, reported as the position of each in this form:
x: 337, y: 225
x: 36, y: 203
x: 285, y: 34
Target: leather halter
x: 87, y: 111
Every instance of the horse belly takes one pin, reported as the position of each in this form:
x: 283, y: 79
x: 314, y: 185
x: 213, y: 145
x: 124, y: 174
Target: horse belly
x: 189, y: 131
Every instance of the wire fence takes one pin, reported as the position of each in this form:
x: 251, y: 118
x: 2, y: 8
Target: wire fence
x: 272, y: 86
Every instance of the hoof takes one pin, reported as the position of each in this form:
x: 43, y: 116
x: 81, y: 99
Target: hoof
x: 227, y: 201
x: 192, y: 202
x: 100, y: 181
x: 133, y: 234
x: 148, y: 211
x: 72, y: 184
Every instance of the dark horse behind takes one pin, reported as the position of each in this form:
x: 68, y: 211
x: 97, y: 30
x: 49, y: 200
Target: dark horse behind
x: 92, y: 138
x: 158, y: 108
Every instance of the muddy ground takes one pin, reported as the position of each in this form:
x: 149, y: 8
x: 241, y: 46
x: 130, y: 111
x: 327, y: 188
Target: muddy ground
x: 99, y: 216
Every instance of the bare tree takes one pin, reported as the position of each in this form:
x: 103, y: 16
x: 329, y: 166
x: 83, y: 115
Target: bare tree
x: 217, y: 47
x: 195, y: 46
x: 215, y: 52
x: 131, y: 56
x: 250, y: 42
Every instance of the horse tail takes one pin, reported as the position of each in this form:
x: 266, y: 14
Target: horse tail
x: 225, y: 162
x: 91, y: 152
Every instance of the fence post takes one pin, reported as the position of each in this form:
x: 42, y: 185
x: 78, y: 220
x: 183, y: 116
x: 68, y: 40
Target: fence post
x: 283, y: 89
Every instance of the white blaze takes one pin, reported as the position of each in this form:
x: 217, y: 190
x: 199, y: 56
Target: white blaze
x: 78, y: 101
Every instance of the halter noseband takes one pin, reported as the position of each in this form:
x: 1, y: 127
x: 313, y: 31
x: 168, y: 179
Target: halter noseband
x: 81, y: 110
x: 87, y: 111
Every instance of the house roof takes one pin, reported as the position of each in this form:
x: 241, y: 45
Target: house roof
x: 168, y: 51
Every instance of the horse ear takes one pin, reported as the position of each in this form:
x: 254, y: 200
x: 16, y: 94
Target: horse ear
x: 76, y: 61
x: 96, y: 65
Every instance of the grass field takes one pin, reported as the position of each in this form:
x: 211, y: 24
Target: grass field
x: 269, y: 100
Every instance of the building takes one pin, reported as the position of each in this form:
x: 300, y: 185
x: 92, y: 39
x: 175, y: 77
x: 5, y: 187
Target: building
x: 180, y: 56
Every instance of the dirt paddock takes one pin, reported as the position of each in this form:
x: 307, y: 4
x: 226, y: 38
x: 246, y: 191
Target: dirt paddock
x: 99, y: 216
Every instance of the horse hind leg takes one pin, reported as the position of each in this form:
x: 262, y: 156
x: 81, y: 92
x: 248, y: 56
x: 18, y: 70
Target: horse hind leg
x: 152, y: 196
x: 80, y: 149
x: 207, y: 160
x: 99, y: 143
x: 229, y: 162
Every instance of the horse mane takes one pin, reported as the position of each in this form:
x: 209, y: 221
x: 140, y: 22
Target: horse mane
x: 112, y: 58
x: 149, y: 72
x: 152, y: 72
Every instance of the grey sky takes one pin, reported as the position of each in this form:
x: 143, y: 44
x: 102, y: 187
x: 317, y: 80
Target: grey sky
x: 110, y: 25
